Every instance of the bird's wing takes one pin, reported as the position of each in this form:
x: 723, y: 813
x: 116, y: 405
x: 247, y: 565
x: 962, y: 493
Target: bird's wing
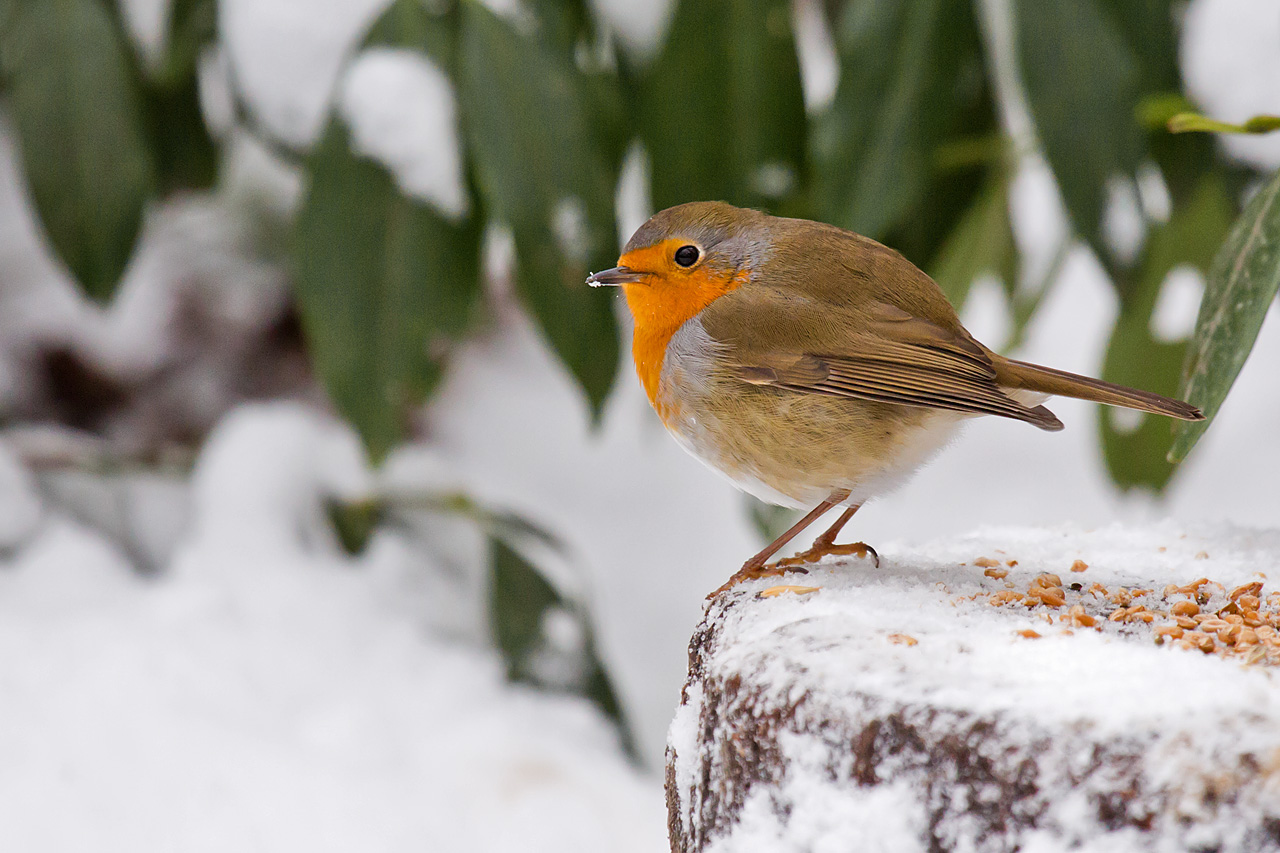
x: 892, y: 357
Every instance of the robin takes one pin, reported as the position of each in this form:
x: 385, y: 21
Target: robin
x: 815, y: 367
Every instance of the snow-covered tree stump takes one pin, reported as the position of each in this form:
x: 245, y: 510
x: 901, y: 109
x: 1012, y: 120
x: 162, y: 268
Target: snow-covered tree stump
x: 1031, y: 690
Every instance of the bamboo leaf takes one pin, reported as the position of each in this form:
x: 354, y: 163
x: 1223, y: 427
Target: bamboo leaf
x: 1241, y: 285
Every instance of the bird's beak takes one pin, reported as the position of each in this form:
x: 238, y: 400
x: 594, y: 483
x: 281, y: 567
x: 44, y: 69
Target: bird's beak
x: 615, y: 276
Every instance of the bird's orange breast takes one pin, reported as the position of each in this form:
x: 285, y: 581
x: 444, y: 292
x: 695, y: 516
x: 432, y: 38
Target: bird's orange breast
x: 665, y: 300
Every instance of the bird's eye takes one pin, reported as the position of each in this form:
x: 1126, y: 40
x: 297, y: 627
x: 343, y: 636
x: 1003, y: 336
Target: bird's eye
x: 687, y: 256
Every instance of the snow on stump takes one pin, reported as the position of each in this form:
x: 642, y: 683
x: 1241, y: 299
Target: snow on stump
x: 1028, y: 690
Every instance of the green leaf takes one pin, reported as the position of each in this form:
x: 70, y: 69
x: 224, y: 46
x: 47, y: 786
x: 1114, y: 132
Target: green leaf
x: 76, y: 109
x: 982, y: 243
x: 1147, y: 26
x: 186, y: 155
x: 721, y: 108
x: 193, y: 24
x: 385, y: 285
x: 1083, y: 84
x: 911, y: 82
x: 1186, y: 122
x: 545, y: 166
x: 355, y: 522
x: 561, y: 23
x: 769, y: 521
x: 1137, y: 458
x: 1241, y: 284
x: 421, y: 24
x: 519, y: 603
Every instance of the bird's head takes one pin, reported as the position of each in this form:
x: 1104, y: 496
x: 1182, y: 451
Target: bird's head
x: 686, y: 257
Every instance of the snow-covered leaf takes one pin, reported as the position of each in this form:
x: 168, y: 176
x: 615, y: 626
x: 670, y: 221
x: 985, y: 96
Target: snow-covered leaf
x: 721, y: 108
x: 285, y: 58
x: 75, y: 105
x: 911, y: 80
x: 1241, y: 286
x: 1134, y: 445
x: 401, y: 111
x: 385, y: 285
x: 545, y: 160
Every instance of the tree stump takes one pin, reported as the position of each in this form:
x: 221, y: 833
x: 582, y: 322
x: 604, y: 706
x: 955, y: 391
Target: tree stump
x: 1018, y: 690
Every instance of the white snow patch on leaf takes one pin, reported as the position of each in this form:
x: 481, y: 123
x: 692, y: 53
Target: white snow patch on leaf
x: 1174, y: 316
x: 286, y: 56
x: 641, y: 27
x: 815, y: 46
x: 147, y: 22
x: 773, y: 179
x: 1231, y: 62
x: 1123, y: 225
x: 401, y: 109
x: 570, y: 223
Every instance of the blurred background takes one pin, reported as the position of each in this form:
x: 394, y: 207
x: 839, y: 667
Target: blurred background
x: 332, y: 516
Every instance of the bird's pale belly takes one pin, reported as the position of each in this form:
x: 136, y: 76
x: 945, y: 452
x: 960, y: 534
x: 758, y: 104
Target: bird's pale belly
x: 789, y: 448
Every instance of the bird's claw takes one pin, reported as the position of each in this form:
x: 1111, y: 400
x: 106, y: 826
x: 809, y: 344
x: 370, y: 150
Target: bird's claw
x: 822, y: 549
x: 755, y: 573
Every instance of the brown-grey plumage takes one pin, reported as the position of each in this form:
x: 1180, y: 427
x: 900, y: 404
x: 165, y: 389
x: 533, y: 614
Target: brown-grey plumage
x: 811, y: 364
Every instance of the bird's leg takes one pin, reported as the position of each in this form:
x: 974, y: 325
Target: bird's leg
x: 826, y: 545
x: 756, y: 566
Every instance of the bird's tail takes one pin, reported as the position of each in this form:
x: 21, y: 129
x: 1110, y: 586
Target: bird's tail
x: 1059, y: 383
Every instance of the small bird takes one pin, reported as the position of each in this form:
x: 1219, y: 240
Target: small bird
x: 815, y: 367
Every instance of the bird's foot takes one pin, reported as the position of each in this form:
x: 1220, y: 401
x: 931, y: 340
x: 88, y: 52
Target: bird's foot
x: 830, y: 549
x: 755, y: 573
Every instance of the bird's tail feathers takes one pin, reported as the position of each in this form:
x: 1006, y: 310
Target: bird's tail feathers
x: 1059, y: 383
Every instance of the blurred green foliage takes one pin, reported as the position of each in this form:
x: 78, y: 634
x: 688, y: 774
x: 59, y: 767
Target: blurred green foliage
x: 909, y: 150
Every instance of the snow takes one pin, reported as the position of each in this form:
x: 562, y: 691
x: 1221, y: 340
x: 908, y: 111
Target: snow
x: 147, y: 22
x: 20, y: 504
x: 401, y: 110
x: 1174, y: 316
x: 640, y: 27
x: 841, y: 648
x: 969, y: 657
x: 286, y: 56
x: 569, y: 223
x: 267, y: 693
x: 816, y: 49
x: 1231, y: 64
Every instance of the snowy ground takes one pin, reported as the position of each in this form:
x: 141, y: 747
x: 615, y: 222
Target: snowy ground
x: 268, y: 694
